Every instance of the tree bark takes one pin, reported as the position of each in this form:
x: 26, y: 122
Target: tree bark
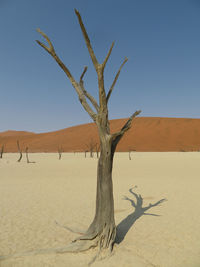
x: 1, y: 153
x: 27, y: 159
x: 103, y: 227
x: 60, y: 153
x: 20, y: 152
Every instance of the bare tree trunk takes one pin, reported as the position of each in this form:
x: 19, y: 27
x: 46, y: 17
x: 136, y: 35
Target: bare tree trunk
x: 97, y: 150
x: 1, y: 153
x: 103, y: 227
x: 129, y: 155
x: 91, y: 147
x: 20, y: 152
x: 27, y: 159
x: 60, y: 153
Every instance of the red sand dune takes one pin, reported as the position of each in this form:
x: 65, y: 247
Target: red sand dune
x: 146, y: 134
x: 15, y: 133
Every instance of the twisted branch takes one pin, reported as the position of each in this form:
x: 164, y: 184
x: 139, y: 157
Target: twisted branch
x: 90, y: 97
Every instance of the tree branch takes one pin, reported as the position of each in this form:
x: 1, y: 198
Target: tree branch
x: 49, y: 49
x: 87, y: 40
x: 118, y: 135
x: 76, y: 86
x: 91, y: 98
x: 108, y: 55
x: 116, y: 77
x: 98, y: 67
x: 83, y: 73
x: 127, y: 125
x: 52, y: 52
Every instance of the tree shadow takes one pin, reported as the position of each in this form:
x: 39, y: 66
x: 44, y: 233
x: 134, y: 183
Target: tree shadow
x: 124, y: 226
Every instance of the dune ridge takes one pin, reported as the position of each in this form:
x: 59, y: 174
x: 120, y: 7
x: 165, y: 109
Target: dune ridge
x: 149, y: 134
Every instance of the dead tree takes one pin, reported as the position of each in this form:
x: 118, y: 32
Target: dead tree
x: 102, y: 230
x: 27, y: 158
x: 129, y: 154
x: 60, y: 150
x: 85, y: 153
x: 20, y: 152
x: 2, y: 151
x: 91, y: 146
x: 97, y: 150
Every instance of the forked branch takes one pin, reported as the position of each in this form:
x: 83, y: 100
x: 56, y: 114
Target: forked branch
x: 49, y: 49
x: 116, y: 77
x: 98, y: 67
x: 90, y: 97
x: 76, y: 86
x: 52, y: 52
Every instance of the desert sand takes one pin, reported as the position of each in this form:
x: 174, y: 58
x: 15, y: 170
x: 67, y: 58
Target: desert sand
x: 33, y: 197
x: 146, y: 134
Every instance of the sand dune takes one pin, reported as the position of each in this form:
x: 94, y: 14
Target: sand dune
x: 34, y: 196
x: 15, y: 133
x: 146, y: 134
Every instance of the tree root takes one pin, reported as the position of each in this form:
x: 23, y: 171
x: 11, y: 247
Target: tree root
x: 83, y: 235
x: 73, y: 247
x: 89, y: 236
x: 70, y: 229
x: 103, y: 240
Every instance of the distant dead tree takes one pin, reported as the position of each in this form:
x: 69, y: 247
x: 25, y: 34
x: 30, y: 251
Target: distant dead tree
x: 27, y: 158
x: 102, y: 230
x: 60, y: 150
x: 2, y: 151
x: 97, y: 150
x: 91, y: 147
x: 129, y: 152
x: 19, y: 150
x: 86, y: 153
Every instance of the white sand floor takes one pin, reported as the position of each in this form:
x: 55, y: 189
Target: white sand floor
x: 34, y: 196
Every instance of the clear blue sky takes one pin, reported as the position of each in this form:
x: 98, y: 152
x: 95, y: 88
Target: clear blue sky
x: 160, y: 38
